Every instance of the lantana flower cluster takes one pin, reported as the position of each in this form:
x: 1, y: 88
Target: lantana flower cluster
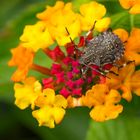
x: 63, y: 84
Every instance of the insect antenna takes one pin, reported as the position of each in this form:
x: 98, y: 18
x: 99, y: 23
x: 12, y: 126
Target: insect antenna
x: 69, y: 35
x: 91, y: 30
x: 75, y: 46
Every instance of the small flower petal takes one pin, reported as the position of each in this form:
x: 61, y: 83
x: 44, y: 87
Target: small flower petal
x: 46, y: 98
x: 23, y: 59
x: 45, y: 15
x: 27, y: 92
x: 123, y: 34
x: 51, y: 108
x: 92, y: 12
x: 48, y: 116
x: 36, y: 37
x: 135, y: 83
x: 123, y: 81
x: 113, y: 97
x: 104, y: 102
x: 102, y: 113
x: 103, y: 24
x: 135, y: 9
x: 134, y: 5
x: 126, y: 3
x: 132, y: 46
x: 60, y: 101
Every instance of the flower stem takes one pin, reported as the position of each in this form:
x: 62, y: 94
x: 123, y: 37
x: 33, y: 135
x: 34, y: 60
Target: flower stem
x: 46, y: 51
x: 131, y: 21
x: 41, y: 69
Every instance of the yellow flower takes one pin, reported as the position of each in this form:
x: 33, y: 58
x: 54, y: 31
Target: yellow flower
x: 92, y: 12
x: 128, y: 81
x: 36, y: 37
x: 58, y: 18
x: 23, y: 59
x: 63, y: 16
x: 27, y: 92
x: 133, y: 5
x: 51, y: 108
x: 104, y: 102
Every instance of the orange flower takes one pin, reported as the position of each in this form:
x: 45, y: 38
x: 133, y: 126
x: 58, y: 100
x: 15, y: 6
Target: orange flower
x: 132, y: 44
x: 123, y: 34
x: 135, y: 83
x: 23, y: 59
x: 132, y: 51
x: 128, y: 81
x: 133, y: 5
x: 104, y: 102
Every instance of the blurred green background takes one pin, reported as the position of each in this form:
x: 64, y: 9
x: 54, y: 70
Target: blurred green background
x: 16, y: 124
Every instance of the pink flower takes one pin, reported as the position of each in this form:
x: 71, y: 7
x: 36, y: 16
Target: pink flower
x: 48, y: 83
x: 56, y: 54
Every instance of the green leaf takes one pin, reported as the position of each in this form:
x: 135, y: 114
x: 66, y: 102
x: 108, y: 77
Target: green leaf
x: 73, y: 126
x: 125, y: 20
x: 123, y: 128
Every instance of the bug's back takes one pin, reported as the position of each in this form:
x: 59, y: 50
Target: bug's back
x: 106, y: 48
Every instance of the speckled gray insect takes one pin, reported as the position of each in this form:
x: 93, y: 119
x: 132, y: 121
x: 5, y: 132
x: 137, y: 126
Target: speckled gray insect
x: 106, y: 48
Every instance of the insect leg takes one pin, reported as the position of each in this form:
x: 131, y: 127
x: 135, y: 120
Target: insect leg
x: 125, y: 64
x: 83, y: 71
x: 109, y: 71
x: 119, y: 67
x: 95, y: 70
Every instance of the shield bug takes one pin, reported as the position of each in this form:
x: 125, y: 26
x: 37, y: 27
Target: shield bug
x: 101, y: 51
